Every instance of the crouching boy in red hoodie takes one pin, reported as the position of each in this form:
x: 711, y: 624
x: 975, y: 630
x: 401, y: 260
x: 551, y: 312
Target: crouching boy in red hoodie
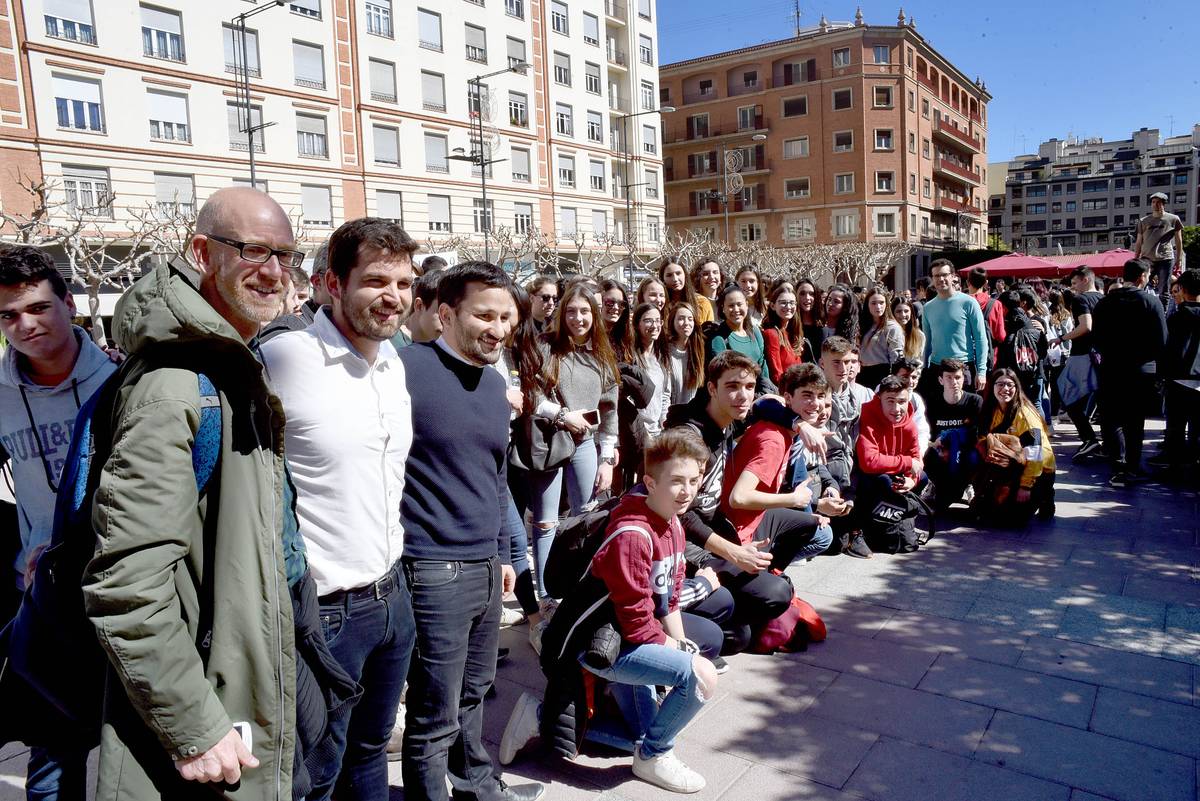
x: 888, y: 448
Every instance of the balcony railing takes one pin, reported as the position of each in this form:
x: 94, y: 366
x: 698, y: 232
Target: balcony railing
x: 958, y: 136
x: 699, y: 97
x: 744, y: 88
x: 617, y: 56
x: 310, y: 83
x: 946, y: 165
x: 242, y: 147
x: 951, y: 205
x: 59, y: 28
x: 384, y: 97
x: 235, y: 69
x: 477, y: 54
x: 615, y: 9
x: 430, y: 105
x: 616, y: 103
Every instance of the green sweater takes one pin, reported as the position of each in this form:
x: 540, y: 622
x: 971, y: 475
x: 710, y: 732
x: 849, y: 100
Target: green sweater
x: 954, y: 329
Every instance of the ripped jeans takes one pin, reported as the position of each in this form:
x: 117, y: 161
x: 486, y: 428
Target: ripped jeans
x: 646, y: 666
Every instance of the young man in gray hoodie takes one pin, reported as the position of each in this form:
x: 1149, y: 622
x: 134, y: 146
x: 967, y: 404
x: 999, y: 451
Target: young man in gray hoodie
x: 49, y: 369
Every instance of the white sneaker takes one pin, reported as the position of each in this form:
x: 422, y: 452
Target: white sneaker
x: 523, y: 725
x: 396, y: 741
x: 668, y: 772
x: 511, y: 617
x: 548, y: 606
x: 535, y: 634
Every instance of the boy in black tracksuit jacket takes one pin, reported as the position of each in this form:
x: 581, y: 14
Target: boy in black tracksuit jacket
x: 1181, y: 361
x: 1130, y: 332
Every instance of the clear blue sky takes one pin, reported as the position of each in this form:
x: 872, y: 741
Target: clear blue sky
x: 1101, y: 68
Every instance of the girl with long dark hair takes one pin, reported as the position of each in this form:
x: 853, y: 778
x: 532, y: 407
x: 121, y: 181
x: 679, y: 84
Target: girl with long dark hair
x: 841, y: 313
x: 882, y: 338
x: 614, y: 308
x: 708, y: 278
x: 783, y: 335
x: 1017, y: 479
x: 651, y: 290
x: 683, y: 346
x: 680, y: 290
x: 756, y: 293
x: 810, y: 309
x: 736, y: 332
x: 914, y: 338
x: 639, y: 429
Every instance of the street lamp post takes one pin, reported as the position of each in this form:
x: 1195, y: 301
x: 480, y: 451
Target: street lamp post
x: 480, y: 158
x: 722, y: 194
x: 624, y: 119
x: 242, y: 74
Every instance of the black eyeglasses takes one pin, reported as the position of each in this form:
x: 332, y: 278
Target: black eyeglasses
x: 614, y: 304
x: 261, y: 254
x: 547, y: 299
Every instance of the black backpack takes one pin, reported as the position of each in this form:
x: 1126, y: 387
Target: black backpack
x: 574, y: 545
x: 1021, y: 354
x: 891, y: 519
x: 987, y: 330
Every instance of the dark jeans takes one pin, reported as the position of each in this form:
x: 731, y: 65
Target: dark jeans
x: 372, y: 639
x: 1080, y: 413
x: 706, y: 623
x: 1183, y: 422
x: 457, y: 610
x: 1162, y: 268
x: 1125, y: 395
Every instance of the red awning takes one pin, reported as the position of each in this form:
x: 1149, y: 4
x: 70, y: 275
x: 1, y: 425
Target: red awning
x: 1109, y: 264
x: 1016, y: 265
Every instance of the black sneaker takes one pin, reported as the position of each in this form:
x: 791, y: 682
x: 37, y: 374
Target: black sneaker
x: 720, y: 664
x: 1119, y: 481
x: 857, y: 547
x: 1086, y: 449
x: 1164, y: 460
x: 1136, y: 477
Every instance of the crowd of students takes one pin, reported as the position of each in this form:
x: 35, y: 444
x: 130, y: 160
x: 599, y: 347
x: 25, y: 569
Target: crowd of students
x: 400, y: 446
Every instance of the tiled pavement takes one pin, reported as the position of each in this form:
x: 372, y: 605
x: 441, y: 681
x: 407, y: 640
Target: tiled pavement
x: 1057, y: 663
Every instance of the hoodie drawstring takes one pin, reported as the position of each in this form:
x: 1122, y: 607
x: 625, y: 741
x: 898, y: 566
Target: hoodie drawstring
x: 37, y: 437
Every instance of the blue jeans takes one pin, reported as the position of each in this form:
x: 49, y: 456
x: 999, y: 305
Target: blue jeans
x: 647, y: 666
x: 457, y: 610
x: 54, y: 775
x: 546, y: 490
x: 518, y: 554
x: 372, y: 639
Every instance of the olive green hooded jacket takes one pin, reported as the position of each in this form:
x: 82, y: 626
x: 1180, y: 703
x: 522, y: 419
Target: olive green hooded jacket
x: 188, y: 594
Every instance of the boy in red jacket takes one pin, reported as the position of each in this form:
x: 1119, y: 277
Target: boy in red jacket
x: 641, y: 565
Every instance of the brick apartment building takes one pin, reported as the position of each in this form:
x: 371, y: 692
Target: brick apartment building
x: 846, y: 132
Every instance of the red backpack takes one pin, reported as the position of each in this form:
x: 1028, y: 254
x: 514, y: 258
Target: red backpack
x: 791, y: 632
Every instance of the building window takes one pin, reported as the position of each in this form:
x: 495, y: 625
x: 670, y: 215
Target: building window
x: 316, y: 206
x: 162, y: 34
x: 883, y: 97
x: 841, y: 57
x: 168, y: 117
x: 568, y: 226
x: 883, y: 139
x: 520, y: 165
x: 435, y: 153
x: 308, y: 61
x: 795, y: 148
x: 476, y: 44
x: 389, y: 206
x: 379, y: 18
x: 599, y: 224
x: 653, y: 228
x: 845, y: 223
x: 239, y: 137
x: 87, y: 191
x: 482, y: 217
x: 71, y: 20
x: 433, y: 91
x: 387, y: 144
x: 566, y: 171
x: 649, y: 139
x: 912, y: 142
x: 843, y: 99
x: 795, y: 188
x: 311, y: 137
x: 174, y: 194
x: 843, y: 183
x: 562, y: 69
x: 558, y: 18
x: 306, y: 8
x: 885, y: 224
x: 591, y: 29
x: 651, y: 180
x: 515, y: 8
x: 647, y: 92
x: 912, y: 183
x: 234, y: 63
x: 591, y: 78
x: 885, y: 182
x: 522, y: 217
x: 645, y: 49
x: 881, y: 54
x: 516, y: 51
x: 795, y: 106
x: 518, y: 109
x: 383, y: 83
x: 799, y: 228
x: 843, y: 141
x: 429, y: 30
x: 78, y: 103
x: 596, y: 173
x: 912, y: 100
x: 926, y: 191
x: 595, y: 126
x: 644, y: 9
x: 750, y: 232
x: 925, y: 148
x: 564, y: 119
x: 925, y: 108
x: 439, y: 214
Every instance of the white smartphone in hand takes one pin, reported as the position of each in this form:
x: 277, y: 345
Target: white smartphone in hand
x: 244, y: 731
x: 592, y: 417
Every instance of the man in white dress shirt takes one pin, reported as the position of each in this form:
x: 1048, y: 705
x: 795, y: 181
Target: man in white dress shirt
x: 347, y: 437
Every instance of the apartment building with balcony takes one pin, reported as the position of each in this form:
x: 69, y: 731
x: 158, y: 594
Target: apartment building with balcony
x: 848, y: 132
x: 365, y: 105
x: 1083, y: 196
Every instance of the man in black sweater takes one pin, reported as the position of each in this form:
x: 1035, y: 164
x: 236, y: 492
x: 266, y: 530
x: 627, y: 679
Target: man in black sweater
x: 1130, y: 333
x: 455, y: 549
x: 1181, y: 362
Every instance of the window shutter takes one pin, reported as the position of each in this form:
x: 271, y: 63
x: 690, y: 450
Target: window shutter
x: 476, y: 37
x: 316, y: 204
x: 433, y: 88
x: 388, y: 205
x: 758, y: 117
x: 811, y: 67
x: 760, y: 160
x: 312, y: 125
x: 387, y: 145
x: 713, y: 164
x: 439, y: 208
x: 77, y: 89
x: 173, y: 188
x: 309, y: 62
x: 383, y: 77
x: 77, y: 10
x: 167, y: 107
x: 160, y: 20
x: 760, y: 196
x: 787, y: 74
x: 429, y: 27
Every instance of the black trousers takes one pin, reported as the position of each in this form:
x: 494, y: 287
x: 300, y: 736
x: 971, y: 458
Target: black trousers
x: 1125, y: 397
